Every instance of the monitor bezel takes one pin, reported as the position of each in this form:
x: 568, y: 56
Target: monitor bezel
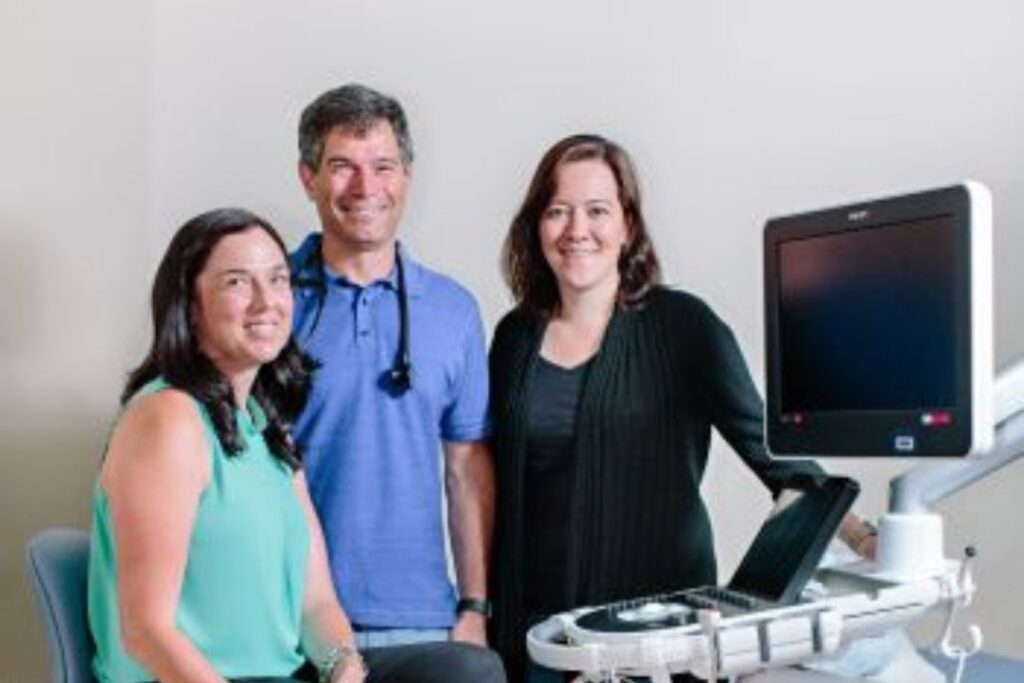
x: 886, y: 432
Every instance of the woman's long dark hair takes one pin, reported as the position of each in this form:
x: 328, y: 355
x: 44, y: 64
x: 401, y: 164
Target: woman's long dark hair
x: 527, y: 272
x: 281, y: 386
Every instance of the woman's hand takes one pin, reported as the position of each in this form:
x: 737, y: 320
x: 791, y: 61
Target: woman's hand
x: 860, y: 536
x: 351, y: 670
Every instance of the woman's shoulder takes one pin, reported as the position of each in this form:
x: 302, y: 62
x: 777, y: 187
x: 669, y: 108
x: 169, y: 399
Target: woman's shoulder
x: 162, y: 406
x: 516, y: 324
x: 666, y: 300
x: 163, y: 425
x: 687, y: 317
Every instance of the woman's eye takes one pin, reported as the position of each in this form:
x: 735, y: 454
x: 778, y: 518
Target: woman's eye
x: 235, y: 281
x: 598, y: 211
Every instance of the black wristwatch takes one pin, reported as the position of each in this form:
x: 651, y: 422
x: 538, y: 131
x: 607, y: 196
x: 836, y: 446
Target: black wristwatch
x: 477, y: 605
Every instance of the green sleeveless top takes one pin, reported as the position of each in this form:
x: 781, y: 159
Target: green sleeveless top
x: 241, y: 596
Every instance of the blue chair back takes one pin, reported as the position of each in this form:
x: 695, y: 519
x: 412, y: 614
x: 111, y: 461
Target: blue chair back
x: 58, y: 561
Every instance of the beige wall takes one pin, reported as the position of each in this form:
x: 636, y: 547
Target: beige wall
x: 122, y: 119
x: 72, y: 300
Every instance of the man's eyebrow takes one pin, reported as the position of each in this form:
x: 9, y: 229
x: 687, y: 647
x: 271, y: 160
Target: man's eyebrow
x: 341, y: 158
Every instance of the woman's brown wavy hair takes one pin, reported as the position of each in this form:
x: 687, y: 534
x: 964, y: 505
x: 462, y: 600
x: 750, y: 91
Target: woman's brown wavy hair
x: 527, y: 272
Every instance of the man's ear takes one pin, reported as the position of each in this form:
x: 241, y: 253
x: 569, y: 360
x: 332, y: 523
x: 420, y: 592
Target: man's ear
x: 306, y: 177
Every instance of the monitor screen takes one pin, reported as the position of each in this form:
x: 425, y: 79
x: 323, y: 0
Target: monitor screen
x: 868, y: 303
x: 879, y: 327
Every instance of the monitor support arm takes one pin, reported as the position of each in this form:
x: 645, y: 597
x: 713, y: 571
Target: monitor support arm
x: 924, y: 485
x: 910, y: 536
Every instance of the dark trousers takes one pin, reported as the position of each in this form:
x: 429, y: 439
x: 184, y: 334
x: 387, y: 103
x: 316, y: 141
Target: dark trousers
x: 440, y: 662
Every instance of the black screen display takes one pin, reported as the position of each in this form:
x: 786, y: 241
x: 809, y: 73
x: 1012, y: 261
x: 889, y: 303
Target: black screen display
x: 792, y: 540
x: 867, y: 318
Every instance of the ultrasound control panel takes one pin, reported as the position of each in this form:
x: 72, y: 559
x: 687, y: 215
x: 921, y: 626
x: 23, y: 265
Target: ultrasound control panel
x: 725, y: 601
x: 669, y: 610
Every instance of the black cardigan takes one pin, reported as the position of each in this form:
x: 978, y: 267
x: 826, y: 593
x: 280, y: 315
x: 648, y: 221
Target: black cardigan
x: 665, y: 373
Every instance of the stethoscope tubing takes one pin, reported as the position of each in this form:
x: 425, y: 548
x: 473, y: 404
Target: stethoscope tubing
x: 400, y: 374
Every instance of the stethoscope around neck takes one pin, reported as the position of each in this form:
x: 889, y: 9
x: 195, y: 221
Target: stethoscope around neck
x: 310, y: 275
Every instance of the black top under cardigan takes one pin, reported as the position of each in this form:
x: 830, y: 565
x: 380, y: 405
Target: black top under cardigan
x: 665, y: 373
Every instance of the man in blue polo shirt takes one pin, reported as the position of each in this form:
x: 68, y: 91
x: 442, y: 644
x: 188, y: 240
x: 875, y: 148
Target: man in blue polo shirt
x: 401, y: 389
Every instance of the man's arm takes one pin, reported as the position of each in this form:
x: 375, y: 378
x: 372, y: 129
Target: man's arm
x: 469, y: 483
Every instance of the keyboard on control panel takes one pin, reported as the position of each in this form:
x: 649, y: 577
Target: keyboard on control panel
x: 715, y: 598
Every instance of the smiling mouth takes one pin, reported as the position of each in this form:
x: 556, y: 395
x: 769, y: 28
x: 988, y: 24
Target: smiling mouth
x: 262, y: 329
x: 363, y: 213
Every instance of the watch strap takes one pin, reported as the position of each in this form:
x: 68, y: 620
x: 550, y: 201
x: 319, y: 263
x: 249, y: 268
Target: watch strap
x: 478, y: 605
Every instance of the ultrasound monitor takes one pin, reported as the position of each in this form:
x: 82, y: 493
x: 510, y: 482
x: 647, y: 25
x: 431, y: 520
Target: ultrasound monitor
x: 879, y: 327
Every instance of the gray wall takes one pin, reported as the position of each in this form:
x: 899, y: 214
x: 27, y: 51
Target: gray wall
x: 121, y: 119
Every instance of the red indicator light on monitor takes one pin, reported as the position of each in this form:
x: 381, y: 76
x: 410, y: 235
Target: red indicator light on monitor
x: 937, y: 418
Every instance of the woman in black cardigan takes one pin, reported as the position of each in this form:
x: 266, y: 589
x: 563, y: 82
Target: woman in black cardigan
x: 605, y: 388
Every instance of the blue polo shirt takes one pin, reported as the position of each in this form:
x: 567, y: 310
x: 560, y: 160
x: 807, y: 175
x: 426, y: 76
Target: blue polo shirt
x: 373, y: 457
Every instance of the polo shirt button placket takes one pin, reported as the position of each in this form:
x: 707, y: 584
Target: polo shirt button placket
x: 363, y: 315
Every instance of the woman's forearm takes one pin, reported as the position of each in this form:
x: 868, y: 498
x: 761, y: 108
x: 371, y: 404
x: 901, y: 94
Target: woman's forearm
x: 326, y: 636
x: 169, y: 655
x: 329, y: 642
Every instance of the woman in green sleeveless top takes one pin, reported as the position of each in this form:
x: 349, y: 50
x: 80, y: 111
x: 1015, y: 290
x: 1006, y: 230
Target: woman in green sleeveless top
x: 208, y: 563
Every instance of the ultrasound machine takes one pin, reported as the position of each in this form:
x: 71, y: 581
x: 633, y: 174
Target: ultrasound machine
x: 878, y: 329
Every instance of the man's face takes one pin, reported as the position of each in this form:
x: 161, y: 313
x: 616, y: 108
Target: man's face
x: 359, y: 189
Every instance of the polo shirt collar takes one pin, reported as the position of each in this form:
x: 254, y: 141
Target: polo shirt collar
x: 303, y: 265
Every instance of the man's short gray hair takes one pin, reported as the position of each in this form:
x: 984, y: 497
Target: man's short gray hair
x: 353, y: 107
